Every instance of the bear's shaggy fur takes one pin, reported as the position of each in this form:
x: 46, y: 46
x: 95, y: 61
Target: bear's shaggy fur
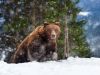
x: 39, y: 45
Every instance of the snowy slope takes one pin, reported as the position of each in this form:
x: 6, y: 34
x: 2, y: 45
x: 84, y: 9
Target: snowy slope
x: 71, y: 66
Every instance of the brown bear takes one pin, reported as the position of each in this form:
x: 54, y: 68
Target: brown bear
x: 39, y: 45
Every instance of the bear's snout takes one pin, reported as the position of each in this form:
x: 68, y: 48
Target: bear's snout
x: 53, y: 35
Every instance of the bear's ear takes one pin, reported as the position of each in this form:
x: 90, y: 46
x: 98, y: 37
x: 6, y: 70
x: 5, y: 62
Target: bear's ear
x: 57, y: 23
x: 45, y: 24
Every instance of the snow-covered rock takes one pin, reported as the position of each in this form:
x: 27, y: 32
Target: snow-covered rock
x: 71, y: 66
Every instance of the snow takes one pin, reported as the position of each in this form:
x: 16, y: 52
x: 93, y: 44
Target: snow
x: 71, y: 66
x: 84, y: 13
x: 2, y: 20
x: 97, y: 24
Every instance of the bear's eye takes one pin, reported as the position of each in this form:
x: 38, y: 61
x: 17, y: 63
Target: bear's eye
x: 56, y: 30
x: 48, y: 30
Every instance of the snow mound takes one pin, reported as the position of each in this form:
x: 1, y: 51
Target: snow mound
x: 71, y: 66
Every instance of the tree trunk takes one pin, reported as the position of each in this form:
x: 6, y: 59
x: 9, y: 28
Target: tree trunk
x: 66, y: 41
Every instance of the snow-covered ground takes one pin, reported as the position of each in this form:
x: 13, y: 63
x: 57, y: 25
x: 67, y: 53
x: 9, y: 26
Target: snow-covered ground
x: 71, y: 66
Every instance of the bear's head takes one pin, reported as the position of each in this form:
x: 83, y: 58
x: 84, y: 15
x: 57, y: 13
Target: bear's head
x: 52, y: 30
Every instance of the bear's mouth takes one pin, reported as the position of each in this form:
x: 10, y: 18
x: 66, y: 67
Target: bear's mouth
x: 52, y: 38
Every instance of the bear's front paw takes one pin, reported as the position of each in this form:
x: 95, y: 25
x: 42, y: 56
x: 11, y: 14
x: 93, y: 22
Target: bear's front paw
x: 54, y: 56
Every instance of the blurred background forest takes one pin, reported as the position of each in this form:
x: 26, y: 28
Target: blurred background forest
x: 22, y: 16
